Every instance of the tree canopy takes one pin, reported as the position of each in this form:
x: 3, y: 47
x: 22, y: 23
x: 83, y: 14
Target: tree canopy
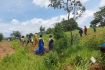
x: 1, y: 37
x: 49, y: 30
x: 99, y: 17
x: 65, y: 24
x: 71, y: 6
x: 15, y: 33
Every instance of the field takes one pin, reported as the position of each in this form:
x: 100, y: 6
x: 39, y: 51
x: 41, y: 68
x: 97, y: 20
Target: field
x: 66, y: 57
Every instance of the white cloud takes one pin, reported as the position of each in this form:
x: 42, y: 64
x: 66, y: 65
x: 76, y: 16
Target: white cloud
x: 11, y: 29
x: 41, y: 3
x: 25, y: 23
x: 36, y: 20
x: 45, y: 3
x: 83, y: 19
x: 14, y: 21
x: 84, y: 1
x: 102, y: 3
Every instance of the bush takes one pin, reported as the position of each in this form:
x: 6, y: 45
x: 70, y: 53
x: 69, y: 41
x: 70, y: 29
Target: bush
x: 51, y: 60
x: 61, y: 44
x: 58, y: 31
x: 102, y: 59
x: 1, y: 37
x: 94, y: 42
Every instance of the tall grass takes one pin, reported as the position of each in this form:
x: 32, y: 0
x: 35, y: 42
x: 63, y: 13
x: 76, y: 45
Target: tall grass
x: 75, y: 57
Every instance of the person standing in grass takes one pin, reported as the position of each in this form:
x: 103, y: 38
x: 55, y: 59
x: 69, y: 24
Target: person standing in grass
x: 22, y: 40
x: 80, y: 32
x: 41, y: 45
x: 85, y: 30
x: 36, y: 38
x: 51, y: 42
x: 41, y: 48
x: 94, y: 28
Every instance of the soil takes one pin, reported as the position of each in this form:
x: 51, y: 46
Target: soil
x: 96, y: 66
x: 5, y: 48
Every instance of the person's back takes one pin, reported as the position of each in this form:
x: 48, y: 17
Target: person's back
x: 22, y: 40
x: 51, y: 43
x: 36, y: 39
x: 80, y: 32
x: 94, y: 28
x: 41, y: 45
x: 85, y: 30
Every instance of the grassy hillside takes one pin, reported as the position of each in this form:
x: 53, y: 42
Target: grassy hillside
x: 75, y: 57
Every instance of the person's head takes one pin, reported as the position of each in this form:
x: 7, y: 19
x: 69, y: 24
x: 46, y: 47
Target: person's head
x: 40, y: 35
x: 22, y: 36
x: 50, y: 36
x: 80, y: 28
x: 85, y: 26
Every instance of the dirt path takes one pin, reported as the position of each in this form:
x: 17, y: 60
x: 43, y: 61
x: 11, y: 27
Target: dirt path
x: 5, y: 48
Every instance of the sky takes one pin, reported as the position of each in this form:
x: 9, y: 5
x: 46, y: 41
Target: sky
x: 26, y: 16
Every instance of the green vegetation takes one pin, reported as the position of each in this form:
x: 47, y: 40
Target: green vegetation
x: 72, y: 57
x: 1, y: 37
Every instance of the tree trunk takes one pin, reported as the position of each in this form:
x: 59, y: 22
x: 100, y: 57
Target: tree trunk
x: 70, y: 29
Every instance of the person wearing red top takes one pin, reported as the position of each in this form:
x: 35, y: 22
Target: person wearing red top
x: 85, y: 30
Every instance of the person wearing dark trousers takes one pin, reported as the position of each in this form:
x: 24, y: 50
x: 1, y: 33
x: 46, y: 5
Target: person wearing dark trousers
x: 51, y: 42
x: 80, y: 32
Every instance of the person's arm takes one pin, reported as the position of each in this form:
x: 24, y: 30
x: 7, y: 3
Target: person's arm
x: 43, y: 41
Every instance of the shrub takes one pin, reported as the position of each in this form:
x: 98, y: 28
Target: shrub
x: 58, y: 31
x: 78, y: 60
x: 51, y: 60
x: 1, y: 37
x: 61, y: 44
x: 94, y: 42
x: 102, y: 59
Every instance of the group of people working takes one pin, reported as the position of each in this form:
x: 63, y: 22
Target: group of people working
x: 38, y: 42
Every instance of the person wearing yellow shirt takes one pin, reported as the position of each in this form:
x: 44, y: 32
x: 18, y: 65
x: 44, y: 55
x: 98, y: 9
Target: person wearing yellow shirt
x: 36, y: 38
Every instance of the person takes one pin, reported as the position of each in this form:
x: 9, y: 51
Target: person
x: 29, y: 39
x: 8, y: 39
x: 36, y: 38
x: 22, y: 40
x: 51, y: 42
x: 85, y: 30
x: 32, y: 40
x: 94, y: 28
x: 102, y: 48
x: 80, y: 32
x: 41, y: 48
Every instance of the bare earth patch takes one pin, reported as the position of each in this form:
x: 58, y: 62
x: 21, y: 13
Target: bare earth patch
x: 5, y: 48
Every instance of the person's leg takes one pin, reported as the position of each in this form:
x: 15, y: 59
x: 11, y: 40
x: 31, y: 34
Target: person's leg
x: 80, y: 34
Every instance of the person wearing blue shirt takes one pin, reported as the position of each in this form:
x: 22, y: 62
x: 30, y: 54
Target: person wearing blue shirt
x: 80, y: 32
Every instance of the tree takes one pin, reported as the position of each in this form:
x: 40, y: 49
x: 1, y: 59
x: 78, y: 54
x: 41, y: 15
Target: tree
x: 1, y: 37
x: 49, y: 31
x: 95, y: 21
x: 71, y: 6
x: 58, y: 31
x: 31, y: 34
x: 42, y: 29
x: 65, y: 24
x: 99, y: 17
x: 15, y: 34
